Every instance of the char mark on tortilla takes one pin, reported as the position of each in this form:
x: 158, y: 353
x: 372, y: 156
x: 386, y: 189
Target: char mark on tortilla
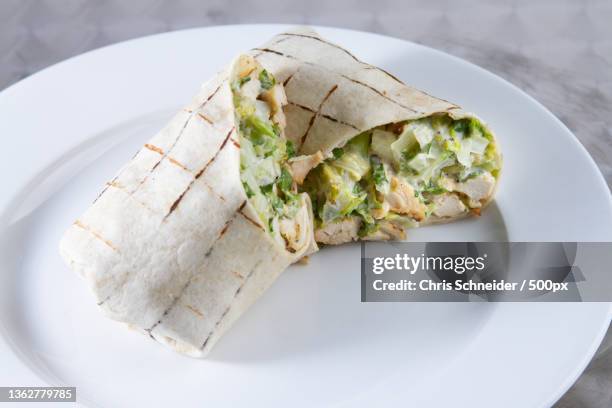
x: 314, y: 117
x: 174, y: 205
x: 246, y: 278
x: 96, y: 235
x: 186, y: 285
x: 312, y: 37
x: 178, y: 137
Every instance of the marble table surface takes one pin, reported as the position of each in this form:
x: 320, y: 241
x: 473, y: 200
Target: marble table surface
x: 559, y: 51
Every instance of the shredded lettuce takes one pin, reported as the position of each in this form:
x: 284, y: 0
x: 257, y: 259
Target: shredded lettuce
x: 338, y: 152
x: 243, y: 80
x: 422, y: 131
x: 267, y: 80
x: 405, y: 147
x: 290, y: 149
x: 285, y: 181
x: 355, y: 159
x: 355, y: 181
x: 379, y: 175
x: 267, y: 182
x: 342, y: 194
x: 381, y: 144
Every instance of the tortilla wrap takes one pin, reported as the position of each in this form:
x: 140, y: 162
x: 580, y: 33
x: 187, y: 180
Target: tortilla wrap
x: 334, y: 97
x: 172, y: 246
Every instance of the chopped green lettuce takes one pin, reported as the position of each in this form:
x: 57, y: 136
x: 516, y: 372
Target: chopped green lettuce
x: 381, y: 144
x: 379, y: 175
x: 267, y: 80
x: 355, y: 159
x: 290, y: 149
x: 356, y: 180
x: 405, y: 147
x: 267, y: 182
x: 338, y: 152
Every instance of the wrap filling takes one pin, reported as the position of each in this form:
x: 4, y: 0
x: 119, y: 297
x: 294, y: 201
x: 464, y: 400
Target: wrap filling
x: 264, y: 151
x: 398, y: 176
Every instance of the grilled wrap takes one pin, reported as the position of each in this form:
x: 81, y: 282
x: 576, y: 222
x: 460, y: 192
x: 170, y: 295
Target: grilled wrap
x: 379, y: 156
x: 202, y: 220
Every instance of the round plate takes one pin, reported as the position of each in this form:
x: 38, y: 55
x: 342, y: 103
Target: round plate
x: 309, y: 341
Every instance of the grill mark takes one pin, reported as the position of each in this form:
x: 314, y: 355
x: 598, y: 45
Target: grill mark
x: 252, y: 221
x: 146, y: 177
x: 340, y: 122
x: 157, y: 323
x: 306, y: 108
x: 286, y: 81
x: 154, y: 148
x: 113, y: 180
x: 212, y: 95
x: 100, y: 303
x: 205, y: 118
x: 190, y: 280
x: 302, y: 106
x: 311, y: 123
x: 105, y: 188
x: 280, y: 40
x: 175, y: 204
x: 219, y: 196
x: 124, y: 190
x: 268, y: 50
x: 114, y: 183
x: 97, y: 235
x: 225, y: 312
x: 355, y: 81
x: 201, y: 172
x: 195, y: 311
x: 206, y: 341
x: 176, y: 140
x: 385, y: 72
x: 236, y: 143
x: 312, y: 37
x: 178, y: 163
x: 224, y: 230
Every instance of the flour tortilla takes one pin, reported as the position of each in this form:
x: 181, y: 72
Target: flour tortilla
x: 172, y: 246
x: 332, y: 96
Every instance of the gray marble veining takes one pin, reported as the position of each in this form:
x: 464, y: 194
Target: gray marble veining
x: 560, y: 52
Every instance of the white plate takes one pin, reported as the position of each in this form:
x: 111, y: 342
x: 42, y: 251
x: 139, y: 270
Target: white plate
x: 309, y: 341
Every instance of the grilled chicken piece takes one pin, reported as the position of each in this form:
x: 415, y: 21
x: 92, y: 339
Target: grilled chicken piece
x: 401, y: 200
x: 251, y: 89
x: 277, y: 98
x: 448, y: 205
x: 301, y: 166
x: 339, y: 232
x: 477, y: 189
x: 380, y: 213
x: 290, y: 231
x: 387, y: 231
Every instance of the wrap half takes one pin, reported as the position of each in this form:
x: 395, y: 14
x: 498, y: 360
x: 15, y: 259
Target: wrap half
x: 202, y: 220
x: 378, y: 156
